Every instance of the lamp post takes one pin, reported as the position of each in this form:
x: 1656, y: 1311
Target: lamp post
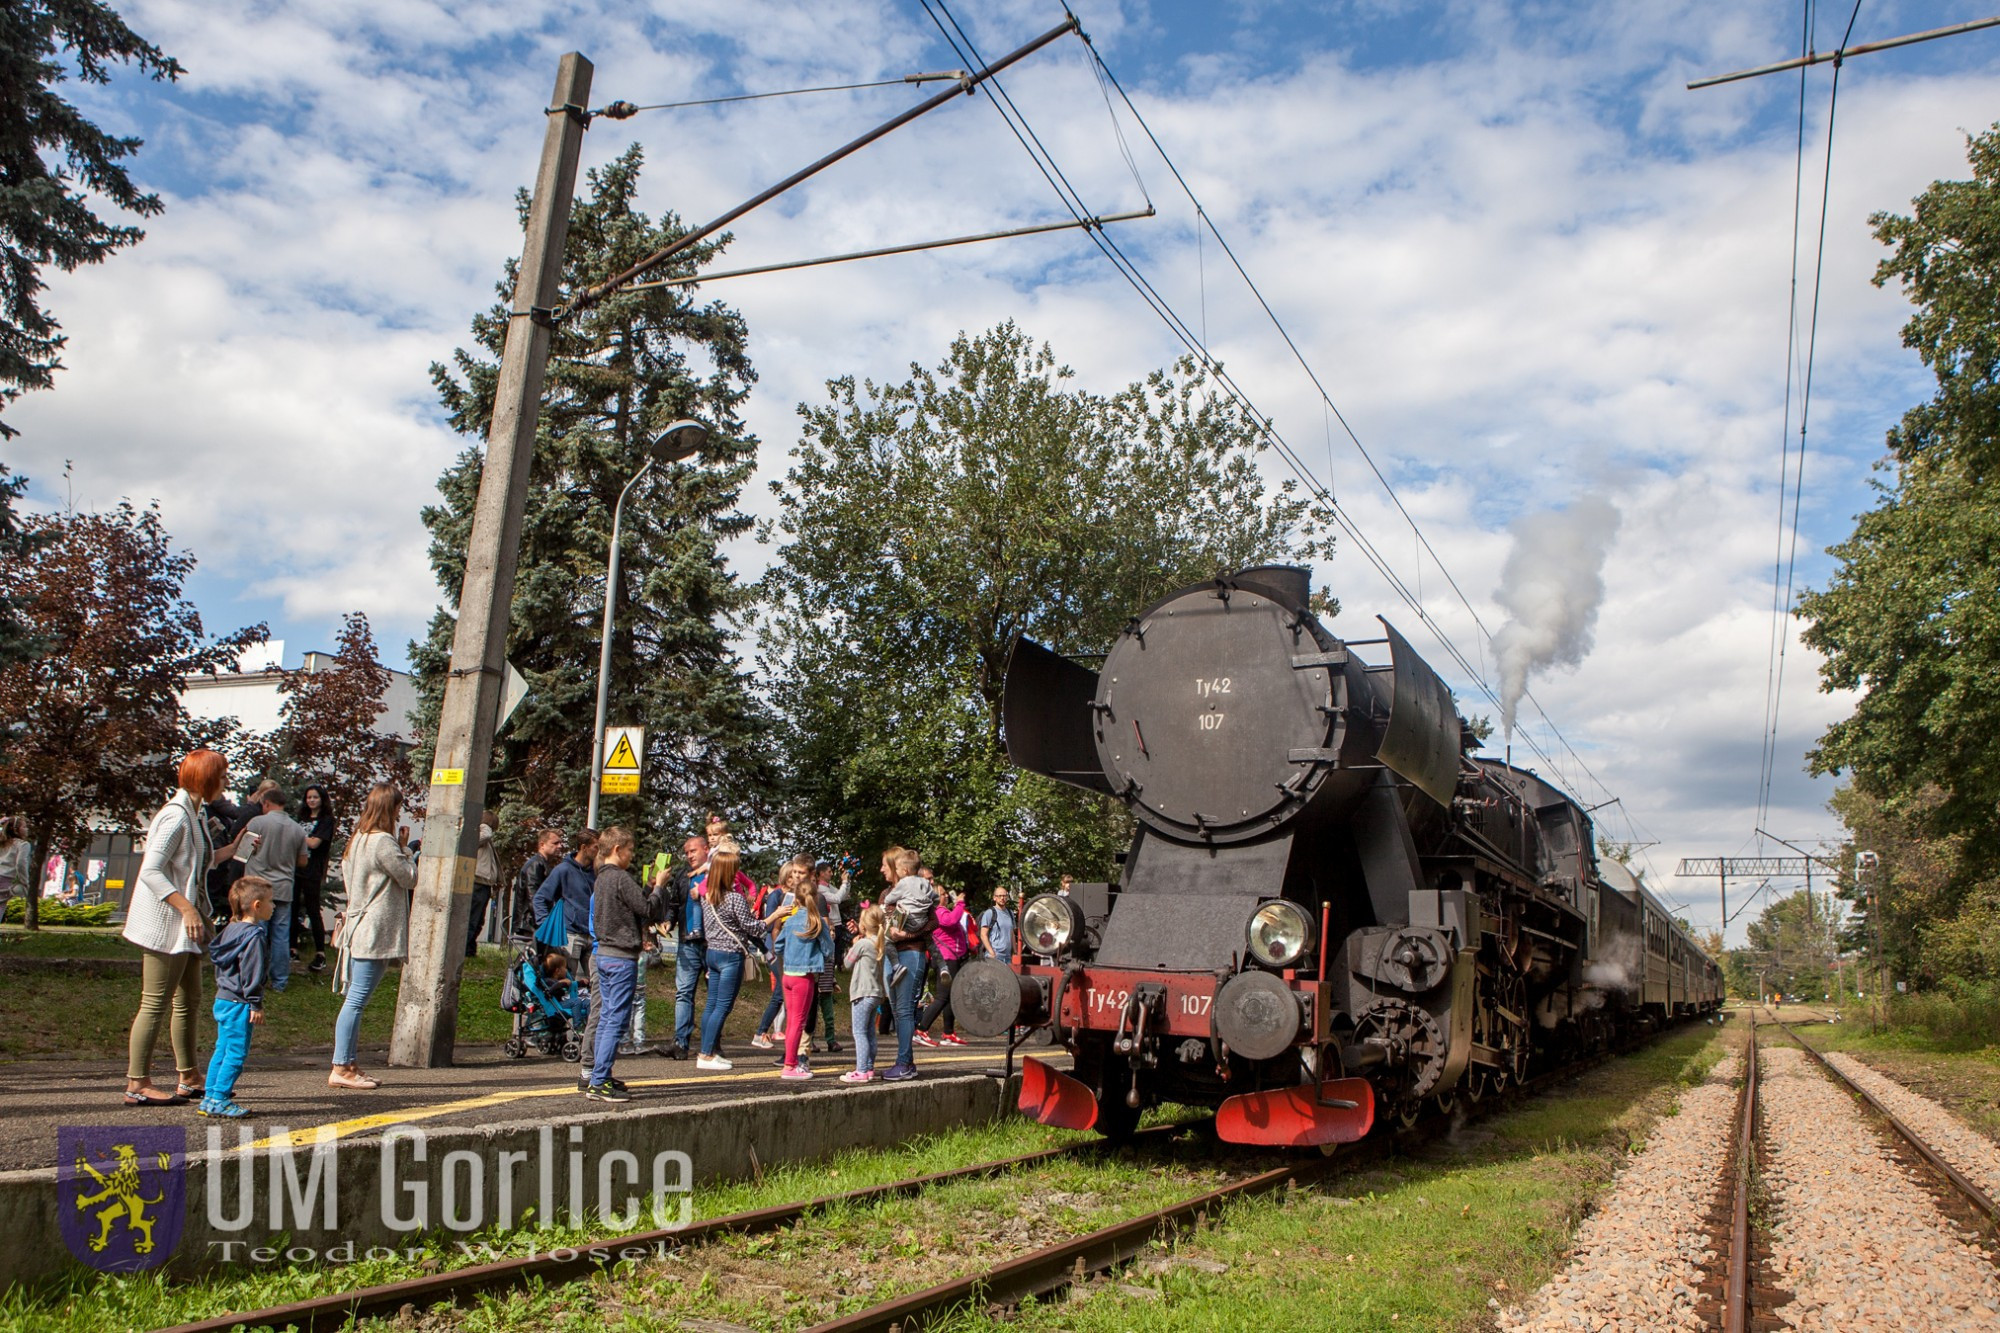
x: 681, y: 440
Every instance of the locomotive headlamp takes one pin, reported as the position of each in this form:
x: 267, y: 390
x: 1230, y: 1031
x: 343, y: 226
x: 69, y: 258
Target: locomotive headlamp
x: 1279, y: 933
x: 1050, y: 923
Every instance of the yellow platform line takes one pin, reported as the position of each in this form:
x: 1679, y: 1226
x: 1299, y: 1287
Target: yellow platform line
x: 383, y: 1119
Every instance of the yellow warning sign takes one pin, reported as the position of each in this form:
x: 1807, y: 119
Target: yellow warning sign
x: 622, y: 748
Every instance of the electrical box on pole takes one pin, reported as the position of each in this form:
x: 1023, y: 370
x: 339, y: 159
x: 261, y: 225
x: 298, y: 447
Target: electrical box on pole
x: 427, y: 1004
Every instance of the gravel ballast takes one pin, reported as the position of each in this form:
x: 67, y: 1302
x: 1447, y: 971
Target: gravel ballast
x: 1964, y: 1147
x: 1640, y: 1255
x: 1858, y: 1241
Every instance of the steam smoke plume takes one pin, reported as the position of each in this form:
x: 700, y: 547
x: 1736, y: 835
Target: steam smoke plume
x: 1551, y: 587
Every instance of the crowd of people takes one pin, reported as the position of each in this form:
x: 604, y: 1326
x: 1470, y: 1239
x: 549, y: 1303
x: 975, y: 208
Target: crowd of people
x: 598, y: 928
x: 242, y: 886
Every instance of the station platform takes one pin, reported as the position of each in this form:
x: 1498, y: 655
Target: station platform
x: 288, y: 1097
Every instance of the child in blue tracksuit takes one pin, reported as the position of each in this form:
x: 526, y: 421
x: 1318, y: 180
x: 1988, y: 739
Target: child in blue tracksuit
x: 238, y: 954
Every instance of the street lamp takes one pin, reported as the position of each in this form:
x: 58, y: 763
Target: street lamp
x: 681, y: 440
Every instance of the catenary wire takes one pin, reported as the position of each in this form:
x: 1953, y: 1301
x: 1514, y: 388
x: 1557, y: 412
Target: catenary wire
x: 1331, y: 407
x: 1024, y: 133
x: 1334, y: 411
x: 1767, y: 750
x: 1805, y: 388
x: 796, y: 92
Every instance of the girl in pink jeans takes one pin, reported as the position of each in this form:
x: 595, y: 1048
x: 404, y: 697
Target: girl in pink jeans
x: 803, y: 941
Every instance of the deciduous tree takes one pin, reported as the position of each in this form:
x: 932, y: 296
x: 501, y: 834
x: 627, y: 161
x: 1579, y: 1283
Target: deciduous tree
x: 53, y: 161
x: 329, y: 730
x: 102, y: 726
x: 926, y: 525
x: 618, y: 374
x: 1911, y: 616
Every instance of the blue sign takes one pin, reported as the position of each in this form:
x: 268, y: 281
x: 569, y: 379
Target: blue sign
x: 121, y: 1193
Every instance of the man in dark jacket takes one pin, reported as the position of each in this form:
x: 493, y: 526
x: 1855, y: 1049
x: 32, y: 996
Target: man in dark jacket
x: 522, y: 917
x: 624, y: 915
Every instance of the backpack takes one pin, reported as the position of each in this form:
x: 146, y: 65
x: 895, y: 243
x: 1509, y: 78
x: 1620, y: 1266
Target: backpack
x: 512, y: 999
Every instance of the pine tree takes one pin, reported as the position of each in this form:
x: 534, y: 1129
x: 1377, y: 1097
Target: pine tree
x: 52, y: 160
x: 618, y: 374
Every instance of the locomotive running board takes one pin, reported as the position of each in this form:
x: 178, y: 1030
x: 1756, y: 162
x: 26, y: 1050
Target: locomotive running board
x: 1054, y: 1098
x: 1340, y: 1110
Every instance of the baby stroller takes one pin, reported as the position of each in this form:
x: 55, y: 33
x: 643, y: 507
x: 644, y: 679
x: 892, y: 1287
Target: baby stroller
x: 548, y: 1014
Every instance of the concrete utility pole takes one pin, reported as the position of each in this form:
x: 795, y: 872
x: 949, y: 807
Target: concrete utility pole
x: 427, y: 1005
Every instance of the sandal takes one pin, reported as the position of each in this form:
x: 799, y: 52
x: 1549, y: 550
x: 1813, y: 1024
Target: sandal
x: 141, y: 1099
x: 187, y: 1092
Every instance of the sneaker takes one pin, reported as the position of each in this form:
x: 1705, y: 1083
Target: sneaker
x: 795, y: 1072
x: 674, y: 1051
x: 897, y: 1073
x: 220, y: 1109
x: 858, y: 1076
x: 618, y: 1083
x: 318, y: 963
x: 761, y: 1042
x: 714, y: 1062
x: 925, y: 1039
x: 604, y: 1092
x: 951, y: 1039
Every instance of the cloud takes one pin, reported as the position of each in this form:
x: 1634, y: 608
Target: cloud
x: 1526, y: 262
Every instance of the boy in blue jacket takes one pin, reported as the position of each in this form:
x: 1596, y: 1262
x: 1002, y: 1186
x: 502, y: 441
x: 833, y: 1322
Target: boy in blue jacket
x: 238, y: 954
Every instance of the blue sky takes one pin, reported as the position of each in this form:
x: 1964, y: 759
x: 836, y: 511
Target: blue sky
x: 1527, y: 263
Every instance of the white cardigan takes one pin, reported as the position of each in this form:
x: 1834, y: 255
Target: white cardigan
x: 178, y: 851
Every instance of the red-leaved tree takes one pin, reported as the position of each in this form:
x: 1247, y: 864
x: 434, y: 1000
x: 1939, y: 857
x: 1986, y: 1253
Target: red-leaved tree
x: 97, y: 727
x: 328, y: 733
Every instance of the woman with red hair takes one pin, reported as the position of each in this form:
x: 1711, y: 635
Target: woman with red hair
x: 171, y: 930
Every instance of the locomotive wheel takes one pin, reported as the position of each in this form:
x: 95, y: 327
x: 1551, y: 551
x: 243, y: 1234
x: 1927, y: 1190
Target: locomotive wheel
x: 1476, y: 1085
x: 1446, y: 1102
x: 1408, y: 1113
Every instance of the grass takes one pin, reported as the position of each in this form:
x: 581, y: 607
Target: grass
x: 1422, y: 1242
x: 64, y: 942
x: 1959, y: 1069
x: 97, y: 1010
x: 84, y: 1302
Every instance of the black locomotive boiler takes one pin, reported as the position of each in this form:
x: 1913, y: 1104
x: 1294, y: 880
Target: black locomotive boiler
x: 1332, y: 907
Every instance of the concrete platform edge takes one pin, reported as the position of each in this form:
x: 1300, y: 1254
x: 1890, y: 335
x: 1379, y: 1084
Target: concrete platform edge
x: 341, y: 1198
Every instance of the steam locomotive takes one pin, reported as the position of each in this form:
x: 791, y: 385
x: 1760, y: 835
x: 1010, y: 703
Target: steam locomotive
x: 1332, y: 908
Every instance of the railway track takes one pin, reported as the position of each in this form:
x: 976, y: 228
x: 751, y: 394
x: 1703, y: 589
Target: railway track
x: 1748, y: 1304
x: 323, y: 1314
x: 1069, y: 1263
x: 1038, y: 1273
x: 1971, y: 1198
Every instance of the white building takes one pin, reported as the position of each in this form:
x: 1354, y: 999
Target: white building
x: 250, y: 693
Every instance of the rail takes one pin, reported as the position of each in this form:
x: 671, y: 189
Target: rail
x: 1972, y: 1194
x: 323, y: 1314
x: 1743, y: 1161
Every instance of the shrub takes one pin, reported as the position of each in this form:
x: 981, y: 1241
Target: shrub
x: 60, y: 914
